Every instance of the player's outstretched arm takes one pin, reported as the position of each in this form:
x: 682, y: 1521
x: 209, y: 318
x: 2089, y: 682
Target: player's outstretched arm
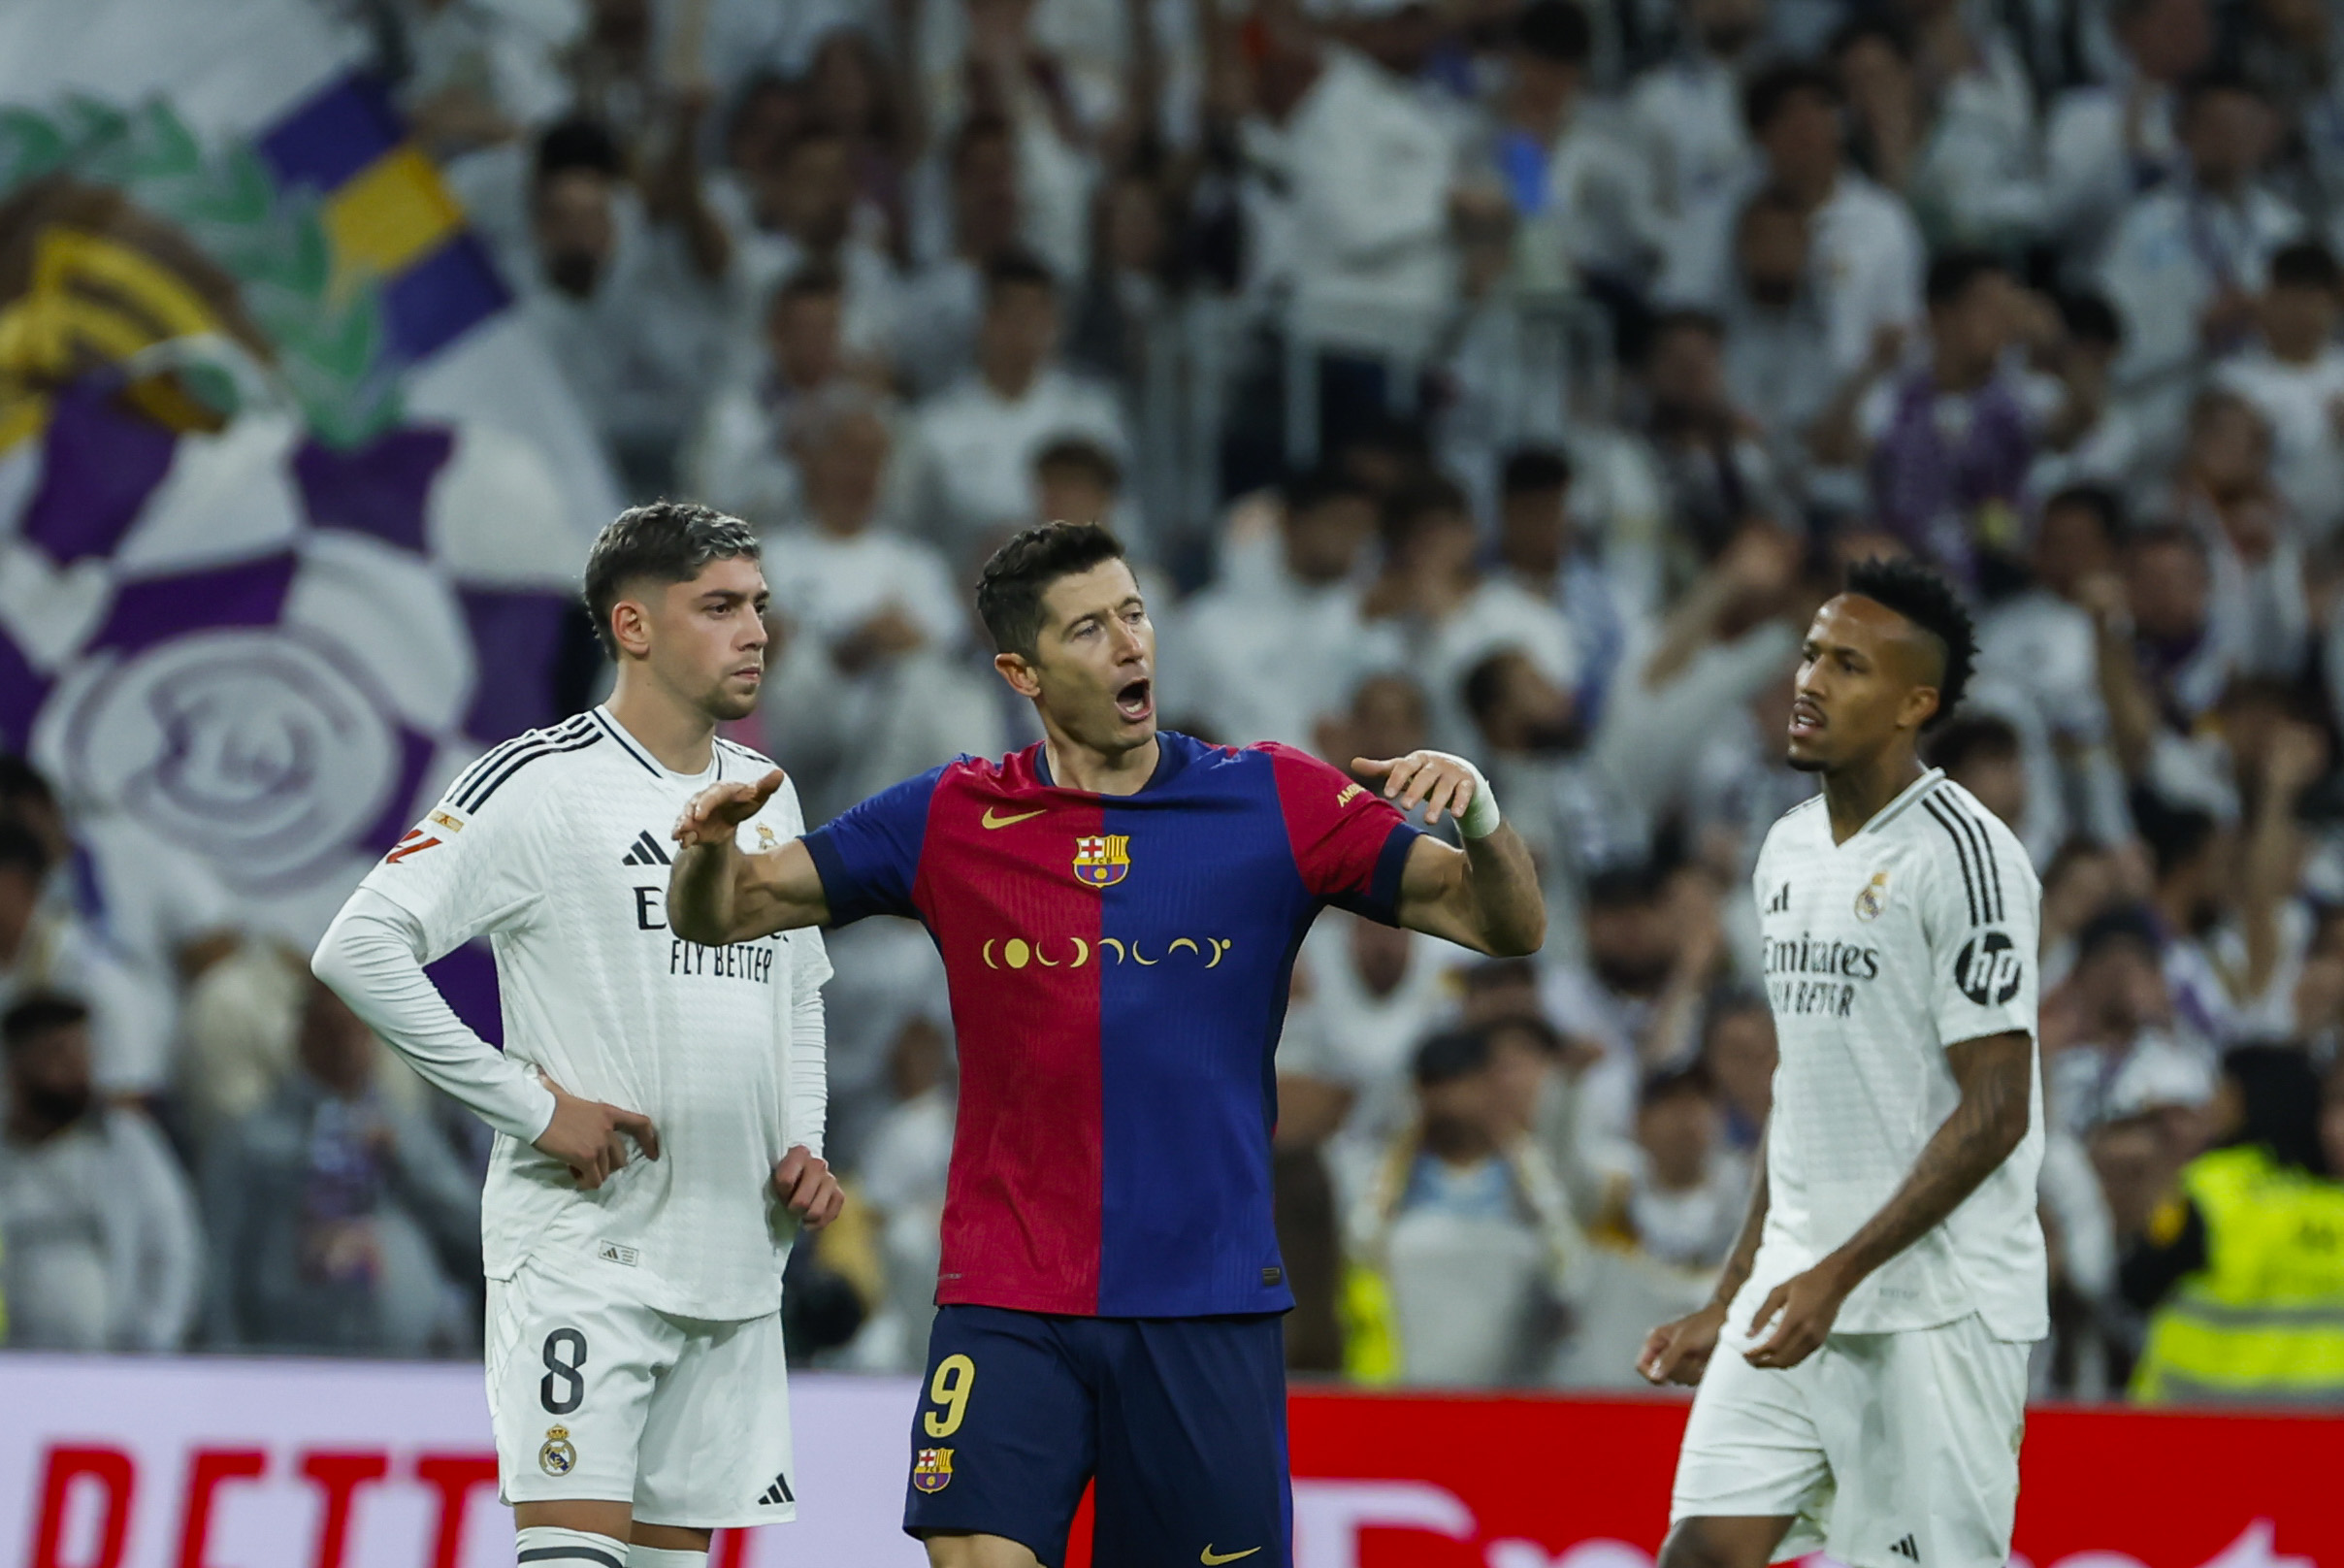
x: 1679, y: 1351
x: 718, y: 894
x: 1485, y: 896
x: 1995, y: 1074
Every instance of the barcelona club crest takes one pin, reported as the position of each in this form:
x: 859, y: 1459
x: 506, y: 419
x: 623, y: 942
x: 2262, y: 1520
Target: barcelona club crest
x: 1874, y: 898
x: 933, y: 1470
x: 557, y: 1457
x: 1102, y: 860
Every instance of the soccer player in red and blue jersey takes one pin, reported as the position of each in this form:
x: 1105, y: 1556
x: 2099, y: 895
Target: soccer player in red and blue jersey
x: 1117, y: 908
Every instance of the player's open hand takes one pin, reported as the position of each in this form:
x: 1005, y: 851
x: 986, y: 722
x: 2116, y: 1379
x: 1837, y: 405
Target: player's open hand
x: 590, y: 1137
x: 803, y: 1181
x: 1679, y: 1351
x: 718, y: 809
x: 1436, y: 779
x: 1808, y: 1304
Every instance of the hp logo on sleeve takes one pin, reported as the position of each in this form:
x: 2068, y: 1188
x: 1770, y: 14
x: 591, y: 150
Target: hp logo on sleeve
x: 1988, y: 971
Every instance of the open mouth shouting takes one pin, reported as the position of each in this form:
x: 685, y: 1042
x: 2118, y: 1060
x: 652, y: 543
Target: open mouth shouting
x: 1135, y: 700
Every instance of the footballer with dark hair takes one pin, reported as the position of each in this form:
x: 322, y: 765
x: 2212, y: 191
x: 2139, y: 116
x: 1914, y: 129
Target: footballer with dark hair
x: 1862, y: 1362
x: 1117, y: 907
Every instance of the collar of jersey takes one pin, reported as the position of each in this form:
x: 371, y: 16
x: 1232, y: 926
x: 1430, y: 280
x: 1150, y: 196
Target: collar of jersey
x: 1171, y: 756
x: 1894, y: 808
x: 636, y: 749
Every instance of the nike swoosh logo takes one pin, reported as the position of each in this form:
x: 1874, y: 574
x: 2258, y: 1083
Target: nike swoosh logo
x: 1214, y: 1559
x: 991, y: 821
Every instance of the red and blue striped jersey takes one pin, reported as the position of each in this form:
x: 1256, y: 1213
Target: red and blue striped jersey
x: 1119, y: 969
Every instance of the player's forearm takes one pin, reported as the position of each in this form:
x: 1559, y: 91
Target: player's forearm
x: 373, y: 958
x: 1745, y: 1257
x: 1982, y: 1131
x: 1506, y: 908
x: 703, y: 892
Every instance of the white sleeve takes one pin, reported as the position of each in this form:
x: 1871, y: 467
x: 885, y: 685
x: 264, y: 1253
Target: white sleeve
x: 1979, y: 915
x: 373, y: 956
x: 808, y: 1089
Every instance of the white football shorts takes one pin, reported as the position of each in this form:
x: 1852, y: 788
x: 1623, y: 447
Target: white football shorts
x: 596, y: 1397
x: 1889, y: 1451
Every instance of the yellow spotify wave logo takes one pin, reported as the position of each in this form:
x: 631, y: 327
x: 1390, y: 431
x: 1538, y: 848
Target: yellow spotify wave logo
x: 1073, y: 952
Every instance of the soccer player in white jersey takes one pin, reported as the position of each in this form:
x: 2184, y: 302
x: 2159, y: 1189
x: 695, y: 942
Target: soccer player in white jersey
x: 636, y: 1376
x: 1862, y: 1362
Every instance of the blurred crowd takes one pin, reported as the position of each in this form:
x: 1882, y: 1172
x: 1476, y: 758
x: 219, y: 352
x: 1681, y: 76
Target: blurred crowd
x: 1511, y: 377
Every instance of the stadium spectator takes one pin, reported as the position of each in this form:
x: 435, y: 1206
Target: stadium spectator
x: 978, y: 440
x: 46, y: 946
x: 1469, y: 1226
x: 2110, y: 138
x: 943, y: 298
x: 802, y: 216
x: 2187, y: 257
x: 99, y: 1247
x: 1777, y: 351
x: 1264, y: 658
x: 1719, y: 474
x: 1737, y: 1050
x: 1686, y: 113
x: 2294, y: 378
x: 740, y: 458
x: 340, y: 1223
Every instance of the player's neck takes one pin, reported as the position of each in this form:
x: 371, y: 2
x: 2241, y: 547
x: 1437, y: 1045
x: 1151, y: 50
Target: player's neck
x: 683, y: 737
x: 1855, y: 795
x: 1074, y: 765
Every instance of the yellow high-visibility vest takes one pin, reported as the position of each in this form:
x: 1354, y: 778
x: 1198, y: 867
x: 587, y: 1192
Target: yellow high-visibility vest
x: 2263, y: 1322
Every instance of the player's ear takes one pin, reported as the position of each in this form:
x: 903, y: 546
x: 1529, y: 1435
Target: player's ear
x: 631, y: 628
x: 1920, y: 705
x: 1018, y: 672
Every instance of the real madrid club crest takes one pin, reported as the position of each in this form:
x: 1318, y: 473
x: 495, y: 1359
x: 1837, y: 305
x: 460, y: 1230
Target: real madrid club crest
x: 1102, y: 860
x: 557, y: 1457
x: 933, y: 1470
x: 1874, y: 898
x: 767, y: 843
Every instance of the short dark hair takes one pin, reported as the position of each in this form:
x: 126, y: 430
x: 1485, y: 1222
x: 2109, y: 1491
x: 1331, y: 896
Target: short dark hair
x: 2101, y: 500
x: 20, y: 780
x: 1083, y: 454
x: 812, y: 280
x: 1450, y: 1056
x: 2177, y: 833
x: 1691, y: 1077
x: 1010, y: 590
x: 2217, y: 81
x: 37, y: 1014
x: 1625, y: 885
x: 1016, y: 269
x: 665, y: 540
x: 1855, y: 31
x: 1534, y: 469
x: 578, y: 142
x: 1484, y: 684
x: 1420, y: 497
x: 1554, y: 30
x: 1327, y: 483
x: 1772, y: 88
x: 1928, y: 601
x: 21, y: 850
x: 1973, y: 734
x: 2089, y: 318
x: 1683, y: 319
x: 2126, y: 923
x: 1951, y: 272
x: 2306, y: 264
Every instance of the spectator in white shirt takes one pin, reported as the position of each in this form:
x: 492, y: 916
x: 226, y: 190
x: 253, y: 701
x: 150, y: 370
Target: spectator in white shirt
x: 2294, y: 374
x: 803, y: 215
x: 1373, y: 159
x: 979, y: 440
x: 740, y: 459
x: 2188, y: 258
x: 1578, y: 191
x: 46, y: 946
x: 1265, y: 657
x: 1778, y: 358
x: 99, y: 1249
x: 866, y: 689
x: 941, y: 303
x: 634, y: 311
x: 1864, y: 257
x: 1687, y: 113
x: 1440, y: 615
x: 2108, y: 141
x: 1711, y: 456
x: 2096, y: 438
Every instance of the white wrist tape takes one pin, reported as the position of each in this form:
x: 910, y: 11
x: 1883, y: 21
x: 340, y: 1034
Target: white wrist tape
x: 1480, y: 818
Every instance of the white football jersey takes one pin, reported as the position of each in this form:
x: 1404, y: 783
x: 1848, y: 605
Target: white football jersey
x: 1917, y: 934
x: 556, y: 846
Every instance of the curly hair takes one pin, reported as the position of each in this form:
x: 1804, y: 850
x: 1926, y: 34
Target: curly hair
x: 1928, y: 601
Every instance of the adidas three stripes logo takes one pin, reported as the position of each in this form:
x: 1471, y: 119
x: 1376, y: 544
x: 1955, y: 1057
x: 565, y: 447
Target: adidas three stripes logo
x: 778, y: 1492
x: 645, y: 851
